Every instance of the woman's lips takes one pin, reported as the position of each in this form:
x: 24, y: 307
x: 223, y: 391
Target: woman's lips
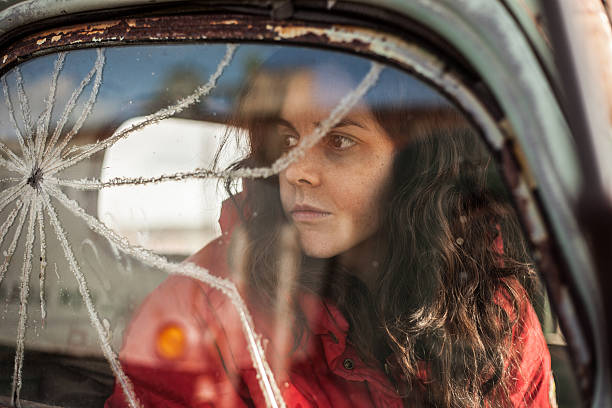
x: 308, y: 213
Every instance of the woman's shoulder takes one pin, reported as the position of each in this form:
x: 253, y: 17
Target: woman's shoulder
x: 184, y: 334
x: 194, y: 305
x: 512, y: 297
x: 213, y: 257
x: 180, y: 291
x: 527, y: 334
x: 183, y: 308
x: 532, y: 381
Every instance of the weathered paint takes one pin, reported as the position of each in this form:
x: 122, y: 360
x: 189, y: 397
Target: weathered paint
x: 493, y: 44
x: 582, y: 31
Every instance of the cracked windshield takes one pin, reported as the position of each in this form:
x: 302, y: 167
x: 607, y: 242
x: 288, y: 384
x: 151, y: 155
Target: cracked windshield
x: 244, y: 225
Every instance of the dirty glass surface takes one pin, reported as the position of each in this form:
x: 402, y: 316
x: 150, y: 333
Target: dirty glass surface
x: 254, y: 225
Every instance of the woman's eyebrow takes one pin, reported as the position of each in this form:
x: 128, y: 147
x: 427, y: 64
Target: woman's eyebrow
x: 286, y: 123
x: 345, y: 122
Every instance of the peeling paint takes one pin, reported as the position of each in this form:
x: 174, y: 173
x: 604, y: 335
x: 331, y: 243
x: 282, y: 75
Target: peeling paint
x: 41, y: 41
x: 335, y: 34
x: 536, y: 228
x: 102, y: 32
x: 56, y: 38
x: 102, y: 26
x: 225, y: 22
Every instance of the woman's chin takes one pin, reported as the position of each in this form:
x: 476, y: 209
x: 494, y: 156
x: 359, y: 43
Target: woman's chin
x: 319, y: 249
x: 324, y: 244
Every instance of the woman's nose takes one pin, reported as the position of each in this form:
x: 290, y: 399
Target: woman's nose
x: 304, y: 171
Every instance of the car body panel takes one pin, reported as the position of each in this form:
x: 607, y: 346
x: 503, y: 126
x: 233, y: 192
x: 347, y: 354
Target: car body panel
x: 506, y: 44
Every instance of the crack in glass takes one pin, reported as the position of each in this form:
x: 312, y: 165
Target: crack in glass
x: 36, y: 192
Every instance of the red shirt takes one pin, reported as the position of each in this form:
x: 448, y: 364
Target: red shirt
x: 207, y: 362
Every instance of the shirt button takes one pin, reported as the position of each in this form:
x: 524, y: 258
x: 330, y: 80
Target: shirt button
x: 348, y: 364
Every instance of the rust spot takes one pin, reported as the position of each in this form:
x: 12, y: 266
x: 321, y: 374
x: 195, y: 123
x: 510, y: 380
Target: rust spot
x: 82, y: 28
x: 519, y: 154
x: 295, y: 31
x: 359, y: 39
x: 226, y: 22
x: 101, y: 26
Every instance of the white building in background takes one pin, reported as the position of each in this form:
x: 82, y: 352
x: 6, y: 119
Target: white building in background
x: 172, y: 217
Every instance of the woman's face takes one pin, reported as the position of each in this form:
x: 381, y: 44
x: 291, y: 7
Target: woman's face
x: 333, y: 194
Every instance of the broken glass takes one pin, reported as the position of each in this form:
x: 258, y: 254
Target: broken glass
x: 112, y: 165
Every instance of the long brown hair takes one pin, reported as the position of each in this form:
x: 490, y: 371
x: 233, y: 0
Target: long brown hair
x: 452, y: 244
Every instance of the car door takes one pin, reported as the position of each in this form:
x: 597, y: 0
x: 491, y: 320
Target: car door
x: 121, y: 119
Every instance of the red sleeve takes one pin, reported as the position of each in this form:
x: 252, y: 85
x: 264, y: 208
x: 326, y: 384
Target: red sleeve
x: 531, y: 377
x: 196, y: 375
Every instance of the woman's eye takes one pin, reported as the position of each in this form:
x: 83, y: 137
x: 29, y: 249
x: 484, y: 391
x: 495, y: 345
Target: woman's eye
x: 290, y: 141
x: 340, y: 142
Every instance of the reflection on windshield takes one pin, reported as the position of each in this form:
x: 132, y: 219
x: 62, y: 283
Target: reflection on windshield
x: 366, y: 253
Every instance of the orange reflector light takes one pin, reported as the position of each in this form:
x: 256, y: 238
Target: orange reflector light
x: 171, y: 342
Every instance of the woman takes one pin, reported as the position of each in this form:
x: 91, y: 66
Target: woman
x: 388, y: 255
